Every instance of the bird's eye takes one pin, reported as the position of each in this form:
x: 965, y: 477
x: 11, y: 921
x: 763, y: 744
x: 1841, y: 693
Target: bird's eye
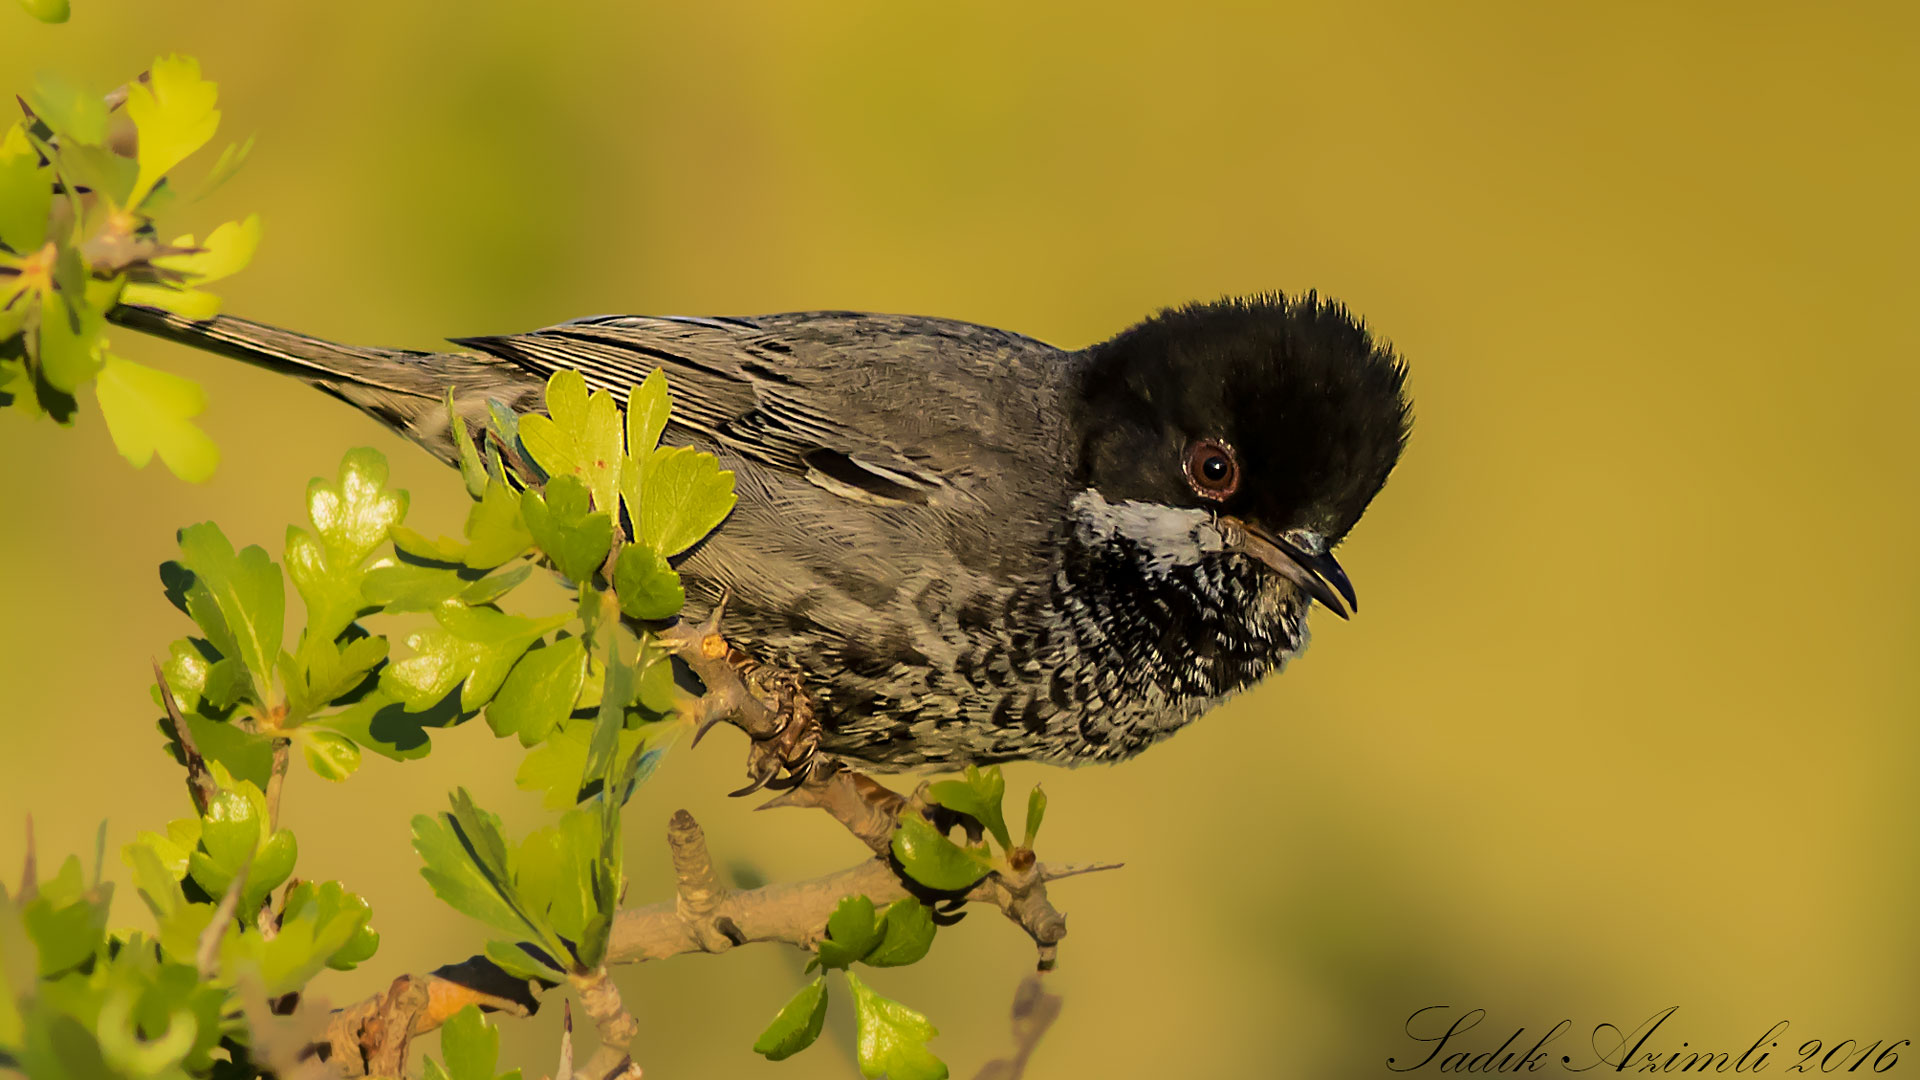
x: 1212, y: 469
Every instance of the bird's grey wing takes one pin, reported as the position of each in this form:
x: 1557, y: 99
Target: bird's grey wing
x: 876, y: 407
x: 891, y: 470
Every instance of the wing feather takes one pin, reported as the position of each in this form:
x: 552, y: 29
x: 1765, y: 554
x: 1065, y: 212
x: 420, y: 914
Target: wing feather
x: 811, y: 393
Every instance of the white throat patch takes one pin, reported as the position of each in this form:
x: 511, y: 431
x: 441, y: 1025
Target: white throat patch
x: 1170, y: 535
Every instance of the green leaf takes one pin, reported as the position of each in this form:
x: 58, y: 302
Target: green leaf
x: 491, y: 588
x: 225, y: 252
x: 48, y: 11
x: 174, y: 113
x: 403, y: 587
x: 474, y: 648
x: 331, y: 670
x: 75, y: 113
x: 331, y: 756
x: 466, y: 864
x: 66, y: 921
x: 553, y: 876
x: 110, y: 175
x: 353, y: 514
x: 1036, y: 813
x: 515, y: 960
x: 205, y: 693
x: 379, y: 723
x: 26, y: 196
x: 149, y: 411
x: 496, y: 528
x: 891, y: 1038
x: 615, y: 696
x: 18, y: 389
x: 70, y: 341
x: 326, y: 902
x: 935, y: 861
x: 648, y: 587
x: 852, y: 933
x: 323, y: 926
x: 684, y: 496
x: 797, y: 1024
x: 979, y: 797
x: 175, y: 848
x: 906, y: 932
x: 471, y: 1047
x: 556, y: 766
x: 573, y: 536
x: 234, y: 830
x: 351, y: 518
x: 658, y: 694
x: 648, y: 409
x: 417, y: 545
x: 229, y: 162
x: 195, y: 304
x: 472, y: 472
x: 249, y: 593
x: 540, y: 692
x: 579, y: 437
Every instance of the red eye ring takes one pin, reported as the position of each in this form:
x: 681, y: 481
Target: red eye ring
x: 1213, y: 469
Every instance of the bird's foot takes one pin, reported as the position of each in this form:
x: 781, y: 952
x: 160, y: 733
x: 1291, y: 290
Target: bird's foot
x: 784, y: 758
x: 771, y: 705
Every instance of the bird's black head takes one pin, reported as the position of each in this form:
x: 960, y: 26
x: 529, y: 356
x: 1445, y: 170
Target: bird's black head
x: 1277, y: 419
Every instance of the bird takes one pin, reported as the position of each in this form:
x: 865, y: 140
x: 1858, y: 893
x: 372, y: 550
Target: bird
x: 969, y: 546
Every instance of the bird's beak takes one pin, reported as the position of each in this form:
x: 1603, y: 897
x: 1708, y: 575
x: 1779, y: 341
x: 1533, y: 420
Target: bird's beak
x: 1292, y: 557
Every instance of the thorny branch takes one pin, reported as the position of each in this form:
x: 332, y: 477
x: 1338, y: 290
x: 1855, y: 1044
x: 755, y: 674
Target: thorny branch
x: 702, y: 919
x: 705, y: 916
x: 199, y: 779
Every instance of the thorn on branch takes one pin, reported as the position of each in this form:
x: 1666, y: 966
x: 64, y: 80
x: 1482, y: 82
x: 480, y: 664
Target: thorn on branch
x: 200, y: 783
x: 277, y: 780
x: 565, y: 1071
x: 1055, y: 873
x: 791, y: 913
x: 705, y: 650
x: 207, y: 957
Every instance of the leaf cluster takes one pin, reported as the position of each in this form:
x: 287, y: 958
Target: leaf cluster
x: 891, y: 1039
x: 79, y: 1001
x: 931, y: 858
x: 590, y: 694
x: 83, y: 179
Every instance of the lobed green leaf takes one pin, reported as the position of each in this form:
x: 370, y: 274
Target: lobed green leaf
x: 576, y: 537
x: 891, y: 1039
x: 539, y: 692
x: 149, y: 411
x: 648, y: 587
x: 797, y: 1024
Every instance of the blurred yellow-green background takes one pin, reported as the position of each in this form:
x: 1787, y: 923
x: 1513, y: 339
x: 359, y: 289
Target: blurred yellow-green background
x: 1629, y: 717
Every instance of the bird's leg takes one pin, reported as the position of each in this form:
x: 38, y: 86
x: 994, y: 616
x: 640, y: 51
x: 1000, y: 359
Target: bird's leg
x: 771, y: 705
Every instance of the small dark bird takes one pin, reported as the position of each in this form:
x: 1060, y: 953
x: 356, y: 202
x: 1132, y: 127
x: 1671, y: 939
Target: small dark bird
x: 972, y: 546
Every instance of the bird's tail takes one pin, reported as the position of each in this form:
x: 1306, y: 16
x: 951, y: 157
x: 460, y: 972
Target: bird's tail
x: 404, y: 389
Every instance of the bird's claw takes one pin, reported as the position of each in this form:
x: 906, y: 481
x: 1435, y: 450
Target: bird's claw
x: 782, y: 761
